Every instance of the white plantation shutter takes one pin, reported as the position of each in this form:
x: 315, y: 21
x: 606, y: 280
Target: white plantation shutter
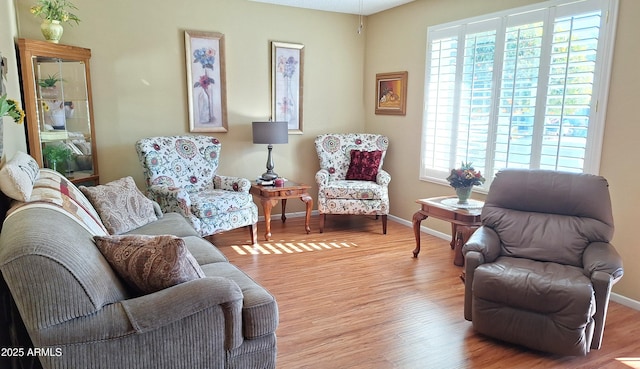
x: 525, y: 88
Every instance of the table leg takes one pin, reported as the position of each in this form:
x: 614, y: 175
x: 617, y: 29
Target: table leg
x: 267, y: 205
x: 462, y: 236
x: 284, y: 206
x: 418, y: 217
x: 308, y: 200
x: 454, y: 232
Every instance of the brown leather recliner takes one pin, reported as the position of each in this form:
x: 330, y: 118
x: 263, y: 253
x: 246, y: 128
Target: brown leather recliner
x: 539, y: 271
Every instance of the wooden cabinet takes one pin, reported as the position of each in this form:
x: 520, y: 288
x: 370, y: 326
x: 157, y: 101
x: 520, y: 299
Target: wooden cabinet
x: 56, y: 91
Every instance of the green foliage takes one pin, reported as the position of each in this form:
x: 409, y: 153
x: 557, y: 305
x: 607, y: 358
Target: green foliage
x: 58, y: 10
x: 50, y: 81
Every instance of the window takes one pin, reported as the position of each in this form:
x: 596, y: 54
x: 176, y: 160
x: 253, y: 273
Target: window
x: 525, y: 88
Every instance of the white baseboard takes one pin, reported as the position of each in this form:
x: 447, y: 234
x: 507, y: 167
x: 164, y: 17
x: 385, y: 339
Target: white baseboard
x: 623, y: 300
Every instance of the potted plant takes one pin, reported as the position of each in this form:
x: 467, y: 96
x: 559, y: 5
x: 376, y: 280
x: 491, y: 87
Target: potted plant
x: 53, y: 12
x: 463, y: 179
x: 56, y: 155
x: 50, y: 81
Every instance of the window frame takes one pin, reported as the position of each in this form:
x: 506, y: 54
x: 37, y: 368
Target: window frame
x: 552, y: 9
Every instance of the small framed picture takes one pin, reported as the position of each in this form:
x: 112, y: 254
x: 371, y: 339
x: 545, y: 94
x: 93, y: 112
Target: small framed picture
x: 287, y: 70
x: 206, y: 81
x: 391, y: 93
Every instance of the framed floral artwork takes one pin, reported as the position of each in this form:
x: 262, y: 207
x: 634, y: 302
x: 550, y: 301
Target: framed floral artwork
x: 391, y: 93
x: 287, y: 70
x: 206, y: 81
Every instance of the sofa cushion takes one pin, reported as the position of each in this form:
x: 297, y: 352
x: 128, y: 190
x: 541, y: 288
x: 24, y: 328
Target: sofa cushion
x: 150, y: 263
x: 364, y: 165
x: 18, y: 176
x: 121, y: 205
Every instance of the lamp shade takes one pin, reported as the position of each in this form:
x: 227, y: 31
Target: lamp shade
x: 270, y: 132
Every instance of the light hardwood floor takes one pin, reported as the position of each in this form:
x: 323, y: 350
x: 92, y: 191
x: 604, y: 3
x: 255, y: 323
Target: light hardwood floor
x: 355, y: 298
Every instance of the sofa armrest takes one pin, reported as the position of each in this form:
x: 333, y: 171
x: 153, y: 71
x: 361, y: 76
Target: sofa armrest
x: 171, y: 199
x: 383, y: 178
x: 155, y: 310
x: 322, y: 177
x: 485, y: 241
x: 230, y: 183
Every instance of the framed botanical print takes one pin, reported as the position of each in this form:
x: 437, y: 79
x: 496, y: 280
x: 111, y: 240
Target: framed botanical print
x: 206, y: 81
x: 287, y: 70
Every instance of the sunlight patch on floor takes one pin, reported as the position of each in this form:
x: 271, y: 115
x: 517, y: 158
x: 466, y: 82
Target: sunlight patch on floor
x: 631, y: 362
x: 279, y: 248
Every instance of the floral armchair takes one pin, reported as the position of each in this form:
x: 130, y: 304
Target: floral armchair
x: 351, y: 179
x: 181, y: 175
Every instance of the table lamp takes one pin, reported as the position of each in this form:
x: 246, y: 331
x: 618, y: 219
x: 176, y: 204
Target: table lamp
x: 270, y: 133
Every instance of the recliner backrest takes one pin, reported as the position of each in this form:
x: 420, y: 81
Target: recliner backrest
x: 548, y: 215
x: 187, y: 161
x: 334, y: 150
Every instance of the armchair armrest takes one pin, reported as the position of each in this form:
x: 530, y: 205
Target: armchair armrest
x: 383, y: 178
x: 171, y: 199
x: 322, y: 177
x: 230, y: 183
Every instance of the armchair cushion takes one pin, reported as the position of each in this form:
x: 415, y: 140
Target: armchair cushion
x: 353, y: 190
x: 364, y: 165
x: 121, y: 206
x: 150, y: 263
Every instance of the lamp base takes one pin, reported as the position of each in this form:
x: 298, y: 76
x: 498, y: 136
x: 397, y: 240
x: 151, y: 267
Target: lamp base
x: 269, y: 176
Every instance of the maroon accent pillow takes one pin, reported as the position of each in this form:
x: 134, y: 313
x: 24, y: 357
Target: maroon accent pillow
x: 364, y: 165
x: 150, y: 263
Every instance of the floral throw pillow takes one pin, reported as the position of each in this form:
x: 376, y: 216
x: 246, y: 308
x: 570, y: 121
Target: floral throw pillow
x: 121, y: 205
x: 364, y: 165
x: 149, y: 263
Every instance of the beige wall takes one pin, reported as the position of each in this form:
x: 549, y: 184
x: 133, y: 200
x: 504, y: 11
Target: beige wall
x: 140, y: 90
x: 13, y: 135
x: 139, y: 86
x: 396, y: 41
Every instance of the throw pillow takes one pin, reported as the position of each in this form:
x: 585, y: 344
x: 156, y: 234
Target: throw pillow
x: 120, y: 205
x: 18, y: 175
x: 364, y: 165
x: 149, y: 263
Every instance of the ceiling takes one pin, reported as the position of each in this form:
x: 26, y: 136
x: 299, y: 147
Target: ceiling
x: 363, y: 7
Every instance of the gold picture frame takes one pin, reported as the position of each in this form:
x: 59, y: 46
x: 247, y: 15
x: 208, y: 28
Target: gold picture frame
x: 206, y: 81
x: 391, y: 93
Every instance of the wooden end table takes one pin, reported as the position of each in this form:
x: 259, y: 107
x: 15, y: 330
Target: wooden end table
x: 269, y: 196
x: 464, y: 221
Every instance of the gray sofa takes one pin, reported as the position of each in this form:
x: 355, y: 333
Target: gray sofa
x: 80, y: 314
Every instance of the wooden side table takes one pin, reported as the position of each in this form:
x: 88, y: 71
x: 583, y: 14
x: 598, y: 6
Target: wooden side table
x: 464, y: 221
x: 269, y: 196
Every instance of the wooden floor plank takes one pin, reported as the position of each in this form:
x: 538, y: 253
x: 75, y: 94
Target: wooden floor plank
x: 352, y: 297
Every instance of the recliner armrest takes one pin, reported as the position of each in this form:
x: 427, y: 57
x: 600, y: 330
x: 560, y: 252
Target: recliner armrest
x: 485, y: 241
x: 602, y: 257
x: 231, y: 183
